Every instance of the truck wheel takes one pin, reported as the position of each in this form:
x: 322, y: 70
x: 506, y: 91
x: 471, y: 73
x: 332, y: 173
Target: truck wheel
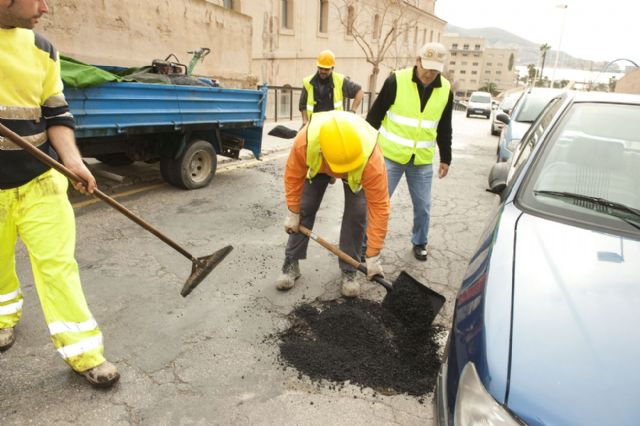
x: 115, y: 159
x: 194, y: 168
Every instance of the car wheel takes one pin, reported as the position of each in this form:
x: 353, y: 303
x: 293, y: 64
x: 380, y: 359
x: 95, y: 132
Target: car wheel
x: 115, y: 159
x: 194, y: 168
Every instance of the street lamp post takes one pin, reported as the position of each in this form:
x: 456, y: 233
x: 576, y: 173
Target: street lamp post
x: 564, y: 18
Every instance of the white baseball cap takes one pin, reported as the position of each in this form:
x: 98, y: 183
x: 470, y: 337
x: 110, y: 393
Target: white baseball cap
x: 432, y: 56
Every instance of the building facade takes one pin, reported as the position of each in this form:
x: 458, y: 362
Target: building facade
x: 473, y: 66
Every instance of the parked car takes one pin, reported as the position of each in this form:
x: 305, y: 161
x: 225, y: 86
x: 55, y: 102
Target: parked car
x: 479, y: 104
x: 505, y: 107
x: 544, y: 323
x: 524, y: 113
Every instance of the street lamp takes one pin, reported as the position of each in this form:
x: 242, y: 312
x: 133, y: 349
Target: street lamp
x: 564, y: 18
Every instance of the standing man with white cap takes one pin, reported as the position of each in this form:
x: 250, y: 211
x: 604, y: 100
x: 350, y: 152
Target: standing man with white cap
x: 413, y: 114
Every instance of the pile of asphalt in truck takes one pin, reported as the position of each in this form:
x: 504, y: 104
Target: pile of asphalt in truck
x: 362, y: 342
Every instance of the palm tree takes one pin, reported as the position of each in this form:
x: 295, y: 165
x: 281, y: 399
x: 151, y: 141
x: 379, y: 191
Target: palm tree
x: 543, y: 53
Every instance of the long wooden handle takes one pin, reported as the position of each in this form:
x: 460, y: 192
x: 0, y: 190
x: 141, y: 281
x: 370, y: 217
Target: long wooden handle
x: 343, y: 256
x: 22, y: 143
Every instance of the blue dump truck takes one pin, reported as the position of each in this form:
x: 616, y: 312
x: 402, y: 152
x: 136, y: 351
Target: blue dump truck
x: 181, y: 121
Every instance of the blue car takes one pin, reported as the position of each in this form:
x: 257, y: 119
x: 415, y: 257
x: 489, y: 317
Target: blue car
x: 524, y: 112
x: 545, y: 322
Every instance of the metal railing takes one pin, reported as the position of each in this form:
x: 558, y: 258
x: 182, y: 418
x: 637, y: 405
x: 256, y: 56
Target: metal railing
x: 282, y: 103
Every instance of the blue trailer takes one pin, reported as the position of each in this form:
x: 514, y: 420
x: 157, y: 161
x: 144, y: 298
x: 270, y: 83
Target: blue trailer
x: 184, y: 127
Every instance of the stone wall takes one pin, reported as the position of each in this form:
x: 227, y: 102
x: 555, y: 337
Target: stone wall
x: 133, y: 33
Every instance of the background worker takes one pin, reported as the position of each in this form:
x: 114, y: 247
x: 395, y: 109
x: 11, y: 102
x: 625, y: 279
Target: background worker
x: 325, y: 90
x: 412, y: 114
x: 33, y: 197
x: 336, y: 144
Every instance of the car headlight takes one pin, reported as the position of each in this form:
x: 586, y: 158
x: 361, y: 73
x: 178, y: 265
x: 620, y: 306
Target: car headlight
x: 475, y: 406
x: 513, y: 144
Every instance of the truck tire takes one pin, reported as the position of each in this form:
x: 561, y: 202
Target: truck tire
x: 115, y: 159
x: 194, y: 168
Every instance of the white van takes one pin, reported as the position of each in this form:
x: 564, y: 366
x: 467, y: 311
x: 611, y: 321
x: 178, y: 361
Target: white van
x: 479, y: 104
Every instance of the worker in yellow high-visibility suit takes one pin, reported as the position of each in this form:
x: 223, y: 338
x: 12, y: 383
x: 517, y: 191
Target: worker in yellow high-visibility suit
x: 33, y: 197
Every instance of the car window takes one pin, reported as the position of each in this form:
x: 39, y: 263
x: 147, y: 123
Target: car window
x: 509, y: 102
x: 531, y: 138
x: 594, y: 156
x: 481, y: 99
x: 531, y: 106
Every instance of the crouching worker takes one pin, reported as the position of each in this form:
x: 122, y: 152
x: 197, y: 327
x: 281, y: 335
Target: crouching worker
x: 340, y: 145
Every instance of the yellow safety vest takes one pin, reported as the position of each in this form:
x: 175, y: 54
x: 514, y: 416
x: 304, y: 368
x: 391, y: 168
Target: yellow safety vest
x: 338, y: 79
x: 407, y: 131
x: 314, y: 157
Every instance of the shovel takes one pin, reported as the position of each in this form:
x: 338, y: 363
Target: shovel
x: 201, y: 266
x: 408, y: 299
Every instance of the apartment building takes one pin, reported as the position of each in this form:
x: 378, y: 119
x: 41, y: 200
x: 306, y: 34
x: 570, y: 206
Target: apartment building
x: 473, y: 66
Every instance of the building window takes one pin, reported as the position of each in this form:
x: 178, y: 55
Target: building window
x: 477, y: 47
x: 286, y: 14
x: 463, y: 72
x: 431, y: 36
x: 487, y: 72
x: 473, y: 81
x: 474, y: 72
x: 351, y: 17
x: 465, y: 54
x: 454, y: 46
x: 228, y: 4
x: 376, y: 27
x: 464, y: 62
x: 452, y: 62
x: 323, y: 26
x: 424, y: 36
x: 498, y: 72
x: 489, y: 64
x: 499, y: 64
x: 475, y: 64
x: 465, y: 47
x: 454, y: 54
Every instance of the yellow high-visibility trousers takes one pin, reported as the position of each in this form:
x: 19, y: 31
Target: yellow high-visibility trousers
x: 41, y: 214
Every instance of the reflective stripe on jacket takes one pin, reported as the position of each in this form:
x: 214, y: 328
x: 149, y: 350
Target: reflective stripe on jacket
x: 337, y: 78
x: 407, y: 131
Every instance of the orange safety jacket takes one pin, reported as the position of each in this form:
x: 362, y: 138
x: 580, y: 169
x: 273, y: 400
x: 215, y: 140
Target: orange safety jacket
x: 374, y: 185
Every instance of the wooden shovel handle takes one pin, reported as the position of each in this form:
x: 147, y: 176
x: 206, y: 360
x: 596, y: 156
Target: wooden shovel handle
x: 343, y: 256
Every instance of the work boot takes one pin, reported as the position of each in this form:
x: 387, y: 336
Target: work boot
x: 420, y: 252
x: 7, y: 338
x: 102, y: 376
x: 350, y: 286
x: 290, y: 273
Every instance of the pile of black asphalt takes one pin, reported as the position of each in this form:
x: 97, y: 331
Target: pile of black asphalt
x: 365, y: 343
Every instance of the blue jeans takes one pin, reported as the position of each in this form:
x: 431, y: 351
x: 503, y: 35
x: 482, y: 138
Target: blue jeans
x: 419, y: 180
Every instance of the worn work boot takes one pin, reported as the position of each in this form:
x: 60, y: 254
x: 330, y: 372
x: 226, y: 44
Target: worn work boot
x: 102, y: 376
x: 350, y: 286
x: 7, y: 338
x: 290, y: 273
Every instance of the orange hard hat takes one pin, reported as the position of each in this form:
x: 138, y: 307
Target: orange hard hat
x: 326, y: 59
x: 340, y: 140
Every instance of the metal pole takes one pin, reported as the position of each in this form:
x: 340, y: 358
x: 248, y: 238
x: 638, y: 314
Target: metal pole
x: 564, y: 18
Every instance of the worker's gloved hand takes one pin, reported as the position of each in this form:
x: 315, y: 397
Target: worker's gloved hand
x: 292, y: 222
x: 374, y: 267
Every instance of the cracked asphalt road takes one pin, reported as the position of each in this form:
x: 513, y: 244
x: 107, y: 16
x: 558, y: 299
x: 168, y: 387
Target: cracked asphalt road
x: 204, y: 359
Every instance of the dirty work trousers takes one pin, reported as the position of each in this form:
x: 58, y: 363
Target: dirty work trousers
x: 40, y: 213
x: 353, y: 220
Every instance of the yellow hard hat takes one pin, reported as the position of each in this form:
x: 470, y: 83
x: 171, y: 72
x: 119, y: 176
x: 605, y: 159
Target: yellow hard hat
x: 340, y: 141
x: 326, y: 59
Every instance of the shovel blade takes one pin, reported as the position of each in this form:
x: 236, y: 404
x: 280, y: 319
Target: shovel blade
x: 202, y: 268
x: 412, y: 302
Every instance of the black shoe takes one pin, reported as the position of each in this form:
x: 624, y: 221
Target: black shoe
x: 363, y: 254
x: 420, y: 252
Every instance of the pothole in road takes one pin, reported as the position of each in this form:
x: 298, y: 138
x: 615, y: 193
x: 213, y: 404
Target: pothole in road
x: 360, y: 342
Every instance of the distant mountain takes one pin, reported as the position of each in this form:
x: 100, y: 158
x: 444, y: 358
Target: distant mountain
x: 528, y: 52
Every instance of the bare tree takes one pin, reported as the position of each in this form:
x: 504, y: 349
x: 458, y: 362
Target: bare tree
x: 543, y: 55
x: 376, y: 26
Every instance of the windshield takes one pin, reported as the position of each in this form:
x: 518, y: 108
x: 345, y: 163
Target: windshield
x: 591, y: 164
x: 481, y: 99
x: 509, y: 102
x: 533, y: 103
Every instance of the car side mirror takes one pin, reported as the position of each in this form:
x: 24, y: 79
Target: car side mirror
x: 503, y: 118
x: 498, y: 177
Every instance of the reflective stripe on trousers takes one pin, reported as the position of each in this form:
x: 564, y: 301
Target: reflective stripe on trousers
x: 39, y: 211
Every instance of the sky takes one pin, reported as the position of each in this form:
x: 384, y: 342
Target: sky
x: 598, y: 30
